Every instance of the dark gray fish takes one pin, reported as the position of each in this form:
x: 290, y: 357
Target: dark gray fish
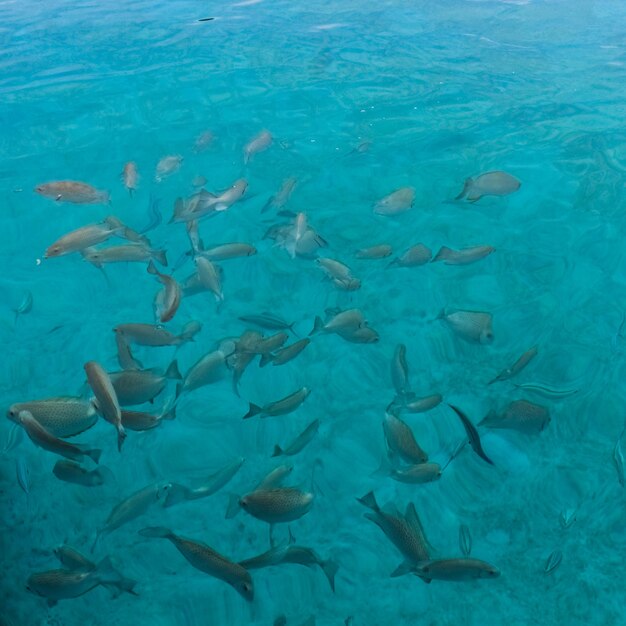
x: 267, y: 321
x: 472, y: 433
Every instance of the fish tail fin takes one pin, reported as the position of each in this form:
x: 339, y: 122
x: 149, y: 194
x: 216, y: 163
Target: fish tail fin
x: 330, y: 570
x: 392, y: 263
x: 94, y: 454
x: 278, y: 451
x: 172, y: 371
x: 179, y: 390
x: 233, y: 507
x: 466, y: 188
x: 159, y: 532
x: 485, y: 421
x: 254, y: 409
x: 266, y: 359
x: 318, y: 325
x: 160, y: 256
x: 151, y: 269
x: 131, y: 192
x: 404, y: 568
x: 384, y: 469
x: 442, y: 255
x: 441, y: 315
x: 121, y: 437
x: 369, y: 500
x: 169, y: 413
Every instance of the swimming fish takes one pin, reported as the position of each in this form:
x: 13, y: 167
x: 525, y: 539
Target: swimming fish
x: 209, y: 277
x: 207, y: 560
x: 25, y: 305
x: 228, y: 251
x: 400, y: 370
x: 520, y: 415
x: 139, y: 386
x: 283, y: 406
x: 46, y: 440
x: 495, y: 183
x: 553, y: 561
x: 269, y: 321
x: 130, y: 177
x: 258, y: 143
x: 298, y: 238
x: 472, y: 434
x: 166, y: 166
x: 277, y: 504
x: 286, y: 354
x: 72, y: 472
x: 124, y: 354
x: 339, y: 273
x: 380, y: 251
x: 465, y: 540
x: 207, y: 370
x: 106, y: 398
x: 154, y: 214
x: 397, y: 202
x: 74, y: 192
x: 203, y: 140
x: 404, y: 531
x: 351, y: 325
x: 156, y: 336
x: 140, y: 420
x: 471, y: 326
x: 22, y: 473
x: 412, y: 404
x: 415, y: 256
x: 62, y: 584
x: 299, y: 555
x: 464, y: 256
x: 300, y: 442
x: 127, y: 253
x: 455, y: 570
x: 401, y: 440
x: 132, y: 507
x: 418, y: 474
x: 547, y: 391
x: 167, y: 300
x: 62, y: 417
x: 518, y: 366
x: 83, y: 237
x: 280, y: 199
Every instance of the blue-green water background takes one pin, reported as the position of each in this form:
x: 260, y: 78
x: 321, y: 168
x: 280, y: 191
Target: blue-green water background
x: 443, y: 91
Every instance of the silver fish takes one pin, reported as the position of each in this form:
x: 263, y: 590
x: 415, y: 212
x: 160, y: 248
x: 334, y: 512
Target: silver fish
x: 283, y: 406
x: 280, y: 199
x: 207, y: 560
x: 258, y: 143
x: 518, y: 366
x: 130, y: 177
x: 71, y: 472
x: 107, y: 402
x: 415, y: 256
x: 130, y: 252
x: 286, y: 354
x: 269, y: 321
x: 207, y: 370
x: 417, y: 474
x: 124, y: 354
x: 471, y: 326
x: 47, y: 441
x: 62, y: 417
x: 277, y: 505
x: 25, y: 306
x: 203, y: 141
x: 464, y: 256
x: 397, y: 202
x: 151, y: 335
x: 519, y: 415
x: 300, y: 442
x: 209, y: 277
x: 401, y: 440
x: 374, y: 252
x: 140, y: 420
x: 167, y: 166
x: 74, y: 192
x: 400, y: 370
x: 81, y: 238
x: 455, y: 570
x: 139, y: 386
x: 495, y: 183
x: 228, y: 251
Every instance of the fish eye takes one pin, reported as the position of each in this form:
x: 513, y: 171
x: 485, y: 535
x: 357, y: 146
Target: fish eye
x: 243, y: 502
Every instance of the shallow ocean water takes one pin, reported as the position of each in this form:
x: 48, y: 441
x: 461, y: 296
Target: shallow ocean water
x: 443, y: 91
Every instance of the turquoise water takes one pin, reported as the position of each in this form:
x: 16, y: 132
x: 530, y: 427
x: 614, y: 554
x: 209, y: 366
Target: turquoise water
x: 433, y: 93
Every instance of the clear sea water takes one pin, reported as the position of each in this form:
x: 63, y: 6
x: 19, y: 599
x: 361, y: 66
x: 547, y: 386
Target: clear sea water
x: 443, y: 91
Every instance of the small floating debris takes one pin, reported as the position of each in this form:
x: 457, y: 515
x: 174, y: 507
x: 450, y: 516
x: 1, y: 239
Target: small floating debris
x: 554, y: 560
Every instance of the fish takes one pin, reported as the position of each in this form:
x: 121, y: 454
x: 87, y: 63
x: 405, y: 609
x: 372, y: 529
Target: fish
x: 130, y: 177
x: 72, y: 472
x: 416, y: 255
x: 517, y: 367
x: 47, y: 441
x: 400, y: 370
x: 351, y: 325
x: 203, y: 140
x: 227, y: 198
x: 139, y: 386
x: 124, y: 354
x: 82, y: 238
x: 167, y: 166
x: 22, y: 473
x: 106, y: 398
x: 401, y: 441
x: 472, y: 434
x: 495, y: 183
x: 25, y: 306
x: 126, y: 232
x: 132, y: 507
x: 154, y: 214
x: 465, y: 540
x: 199, y: 181
x: 158, y: 336
x: 339, y: 273
x: 257, y: 144
x: 520, y: 415
x: 404, y: 531
x: 618, y: 459
x: 74, y: 192
x: 380, y: 251
x: 72, y: 559
x: 285, y: 405
x: 265, y: 346
x: 418, y: 474
x: 298, y: 238
x: 546, y: 391
x: 455, y: 570
x: 62, y: 584
x: 268, y: 321
x: 471, y: 326
x: 140, y: 420
x: 299, y: 555
x: 280, y: 199
x: 167, y: 300
x: 286, y: 354
x: 207, y: 560
x: 228, y: 251
x: 553, y: 561
x: 465, y: 256
x: 62, y: 417
x: 410, y: 403
x: 300, y: 442
x: 209, y: 277
x: 399, y: 201
x: 127, y: 253
x: 207, y: 370
x: 278, y: 504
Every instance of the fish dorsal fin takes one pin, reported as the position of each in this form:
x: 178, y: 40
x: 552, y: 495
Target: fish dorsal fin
x: 414, y: 522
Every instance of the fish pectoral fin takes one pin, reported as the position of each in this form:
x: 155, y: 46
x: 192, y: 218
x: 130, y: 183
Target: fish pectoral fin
x: 404, y: 568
